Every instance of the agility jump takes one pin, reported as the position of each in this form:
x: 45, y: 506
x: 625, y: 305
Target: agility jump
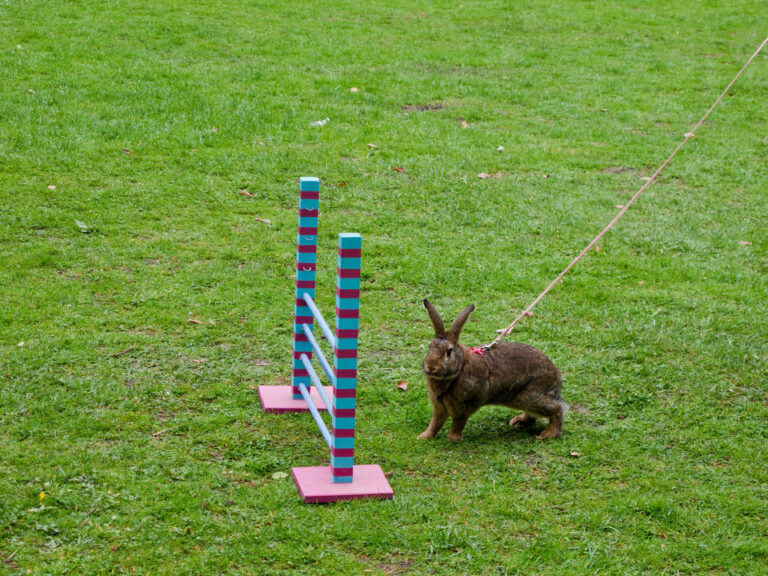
x: 342, y: 480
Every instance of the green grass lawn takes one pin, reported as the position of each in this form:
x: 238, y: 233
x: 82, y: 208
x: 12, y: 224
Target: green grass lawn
x: 143, y: 299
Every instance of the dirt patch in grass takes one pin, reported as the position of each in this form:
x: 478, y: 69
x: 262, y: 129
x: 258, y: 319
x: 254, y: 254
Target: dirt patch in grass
x: 395, y: 568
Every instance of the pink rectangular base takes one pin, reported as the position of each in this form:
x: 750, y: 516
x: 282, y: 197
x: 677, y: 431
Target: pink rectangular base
x: 315, y: 486
x: 279, y: 399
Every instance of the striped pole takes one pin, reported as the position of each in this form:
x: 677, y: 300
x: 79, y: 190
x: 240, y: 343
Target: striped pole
x: 345, y: 357
x: 306, y: 264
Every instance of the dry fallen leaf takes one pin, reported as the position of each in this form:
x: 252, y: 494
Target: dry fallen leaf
x: 398, y: 169
x: 619, y: 206
x: 127, y: 152
x: 195, y: 321
x: 464, y: 124
x: 402, y: 384
x: 51, y: 187
x: 372, y: 146
x: 744, y: 243
x: 500, y: 149
x: 353, y: 89
x: 575, y: 454
x: 246, y: 192
x: 263, y: 220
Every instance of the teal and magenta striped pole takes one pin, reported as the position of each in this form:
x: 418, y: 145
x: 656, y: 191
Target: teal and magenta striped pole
x: 306, y: 265
x: 345, y: 357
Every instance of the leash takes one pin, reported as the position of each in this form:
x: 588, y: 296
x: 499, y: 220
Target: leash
x: 527, y: 312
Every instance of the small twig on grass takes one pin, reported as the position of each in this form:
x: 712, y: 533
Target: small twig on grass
x: 122, y: 352
x: 159, y: 432
x: 91, y: 511
x: 9, y: 558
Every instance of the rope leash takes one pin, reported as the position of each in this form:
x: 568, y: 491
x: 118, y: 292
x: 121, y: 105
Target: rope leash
x: 527, y: 312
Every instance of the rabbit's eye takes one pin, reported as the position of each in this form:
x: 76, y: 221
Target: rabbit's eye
x: 450, y: 350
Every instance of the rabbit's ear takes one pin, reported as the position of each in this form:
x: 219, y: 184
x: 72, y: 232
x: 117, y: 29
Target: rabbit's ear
x: 437, y: 322
x: 458, y: 324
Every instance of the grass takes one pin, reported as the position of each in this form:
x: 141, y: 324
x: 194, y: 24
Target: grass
x: 131, y: 439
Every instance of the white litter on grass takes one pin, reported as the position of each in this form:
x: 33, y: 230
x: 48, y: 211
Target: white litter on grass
x: 320, y: 122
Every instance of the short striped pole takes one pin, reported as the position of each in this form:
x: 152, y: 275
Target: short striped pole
x: 306, y: 264
x: 345, y: 357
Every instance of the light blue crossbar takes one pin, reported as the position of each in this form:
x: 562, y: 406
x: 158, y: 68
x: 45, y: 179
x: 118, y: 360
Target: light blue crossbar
x: 316, y: 381
x: 320, y: 356
x: 315, y: 414
x: 320, y: 320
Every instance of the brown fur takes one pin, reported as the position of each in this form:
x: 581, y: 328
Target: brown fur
x: 510, y: 374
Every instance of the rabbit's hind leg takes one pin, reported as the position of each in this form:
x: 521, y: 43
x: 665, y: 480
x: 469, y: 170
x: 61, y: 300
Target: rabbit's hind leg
x: 540, y: 405
x: 523, y: 420
x: 555, y: 426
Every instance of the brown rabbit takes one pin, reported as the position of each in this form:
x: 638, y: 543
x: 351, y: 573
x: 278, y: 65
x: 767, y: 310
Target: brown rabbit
x: 461, y: 380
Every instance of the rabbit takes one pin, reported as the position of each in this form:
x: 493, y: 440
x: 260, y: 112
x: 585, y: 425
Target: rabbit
x: 461, y: 380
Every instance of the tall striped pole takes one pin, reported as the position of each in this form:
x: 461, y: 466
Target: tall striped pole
x: 306, y: 264
x: 345, y: 357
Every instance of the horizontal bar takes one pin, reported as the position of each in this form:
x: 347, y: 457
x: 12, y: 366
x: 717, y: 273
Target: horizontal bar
x: 316, y: 415
x: 320, y: 320
x: 320, y: 356
x: 316, y: 381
